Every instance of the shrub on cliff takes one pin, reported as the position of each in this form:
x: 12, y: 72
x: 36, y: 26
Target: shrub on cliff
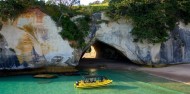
x: 60, y: 13
x: 152, y: 19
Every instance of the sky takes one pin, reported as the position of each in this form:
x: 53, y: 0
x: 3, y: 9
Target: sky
x: 86, y: 2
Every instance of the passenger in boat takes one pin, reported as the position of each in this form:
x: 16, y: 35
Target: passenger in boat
x: 101, y: 79
x: 77, y: 83
x: 92, y: 80
x: 105, y: 78
x: 87, y: 81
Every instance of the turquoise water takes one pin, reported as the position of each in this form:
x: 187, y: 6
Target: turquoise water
x: 124, y: 82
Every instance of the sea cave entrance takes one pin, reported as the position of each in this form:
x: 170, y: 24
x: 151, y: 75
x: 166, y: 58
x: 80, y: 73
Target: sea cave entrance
x: 100, y: 54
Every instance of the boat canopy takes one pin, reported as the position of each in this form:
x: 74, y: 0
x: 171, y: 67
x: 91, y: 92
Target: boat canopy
x: 90, y: 81
x: 94, y: 76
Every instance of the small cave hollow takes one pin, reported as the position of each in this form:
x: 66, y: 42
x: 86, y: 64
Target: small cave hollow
x: 100, y: 51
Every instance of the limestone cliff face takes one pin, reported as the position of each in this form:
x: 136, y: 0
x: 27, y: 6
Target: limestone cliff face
x: 33, y: 40
x: 117, y: 34
x: 177, y: 48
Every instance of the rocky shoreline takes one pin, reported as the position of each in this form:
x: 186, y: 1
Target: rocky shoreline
x: 177, y: 73
x: 49, y: 70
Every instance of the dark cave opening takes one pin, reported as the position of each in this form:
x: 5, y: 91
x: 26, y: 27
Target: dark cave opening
x: 104, y: 51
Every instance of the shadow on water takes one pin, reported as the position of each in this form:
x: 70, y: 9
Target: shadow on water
x: 115, y: 75
x: 118, y: 87
x: 121, y: 87
x: 44, y: 81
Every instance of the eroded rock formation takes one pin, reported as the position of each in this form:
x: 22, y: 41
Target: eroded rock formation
x: 32, y: 40
x: 35, y: 41
x: 175, y: 50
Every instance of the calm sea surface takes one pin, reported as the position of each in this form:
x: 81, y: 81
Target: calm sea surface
x: 124, y: 82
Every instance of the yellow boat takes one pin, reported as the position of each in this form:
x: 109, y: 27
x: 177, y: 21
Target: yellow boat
x: 93, y: 81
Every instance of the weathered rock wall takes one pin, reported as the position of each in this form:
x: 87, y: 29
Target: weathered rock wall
x: 33, y: 40
x: 117, y: 34
x: 177, y: 48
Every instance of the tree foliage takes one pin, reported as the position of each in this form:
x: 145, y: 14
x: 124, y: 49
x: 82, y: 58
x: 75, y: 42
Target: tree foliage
x: 106, y: 1
x: 12, y: 8
x: 60, y: 13
x: 152, y: 19
x: 95, y: 2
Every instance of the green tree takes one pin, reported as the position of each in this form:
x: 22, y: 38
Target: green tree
x: 152, y: 19
x: 106, y: 1
x: 60, y: 13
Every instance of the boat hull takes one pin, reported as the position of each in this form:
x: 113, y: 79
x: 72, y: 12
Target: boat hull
x: 93, y: 84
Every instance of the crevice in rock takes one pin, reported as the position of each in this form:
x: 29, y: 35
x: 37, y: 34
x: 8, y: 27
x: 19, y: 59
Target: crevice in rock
x: 1, y: 25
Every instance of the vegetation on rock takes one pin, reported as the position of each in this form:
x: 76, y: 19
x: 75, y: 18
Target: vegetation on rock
x: 152, y: 19
x: 60, y: 13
